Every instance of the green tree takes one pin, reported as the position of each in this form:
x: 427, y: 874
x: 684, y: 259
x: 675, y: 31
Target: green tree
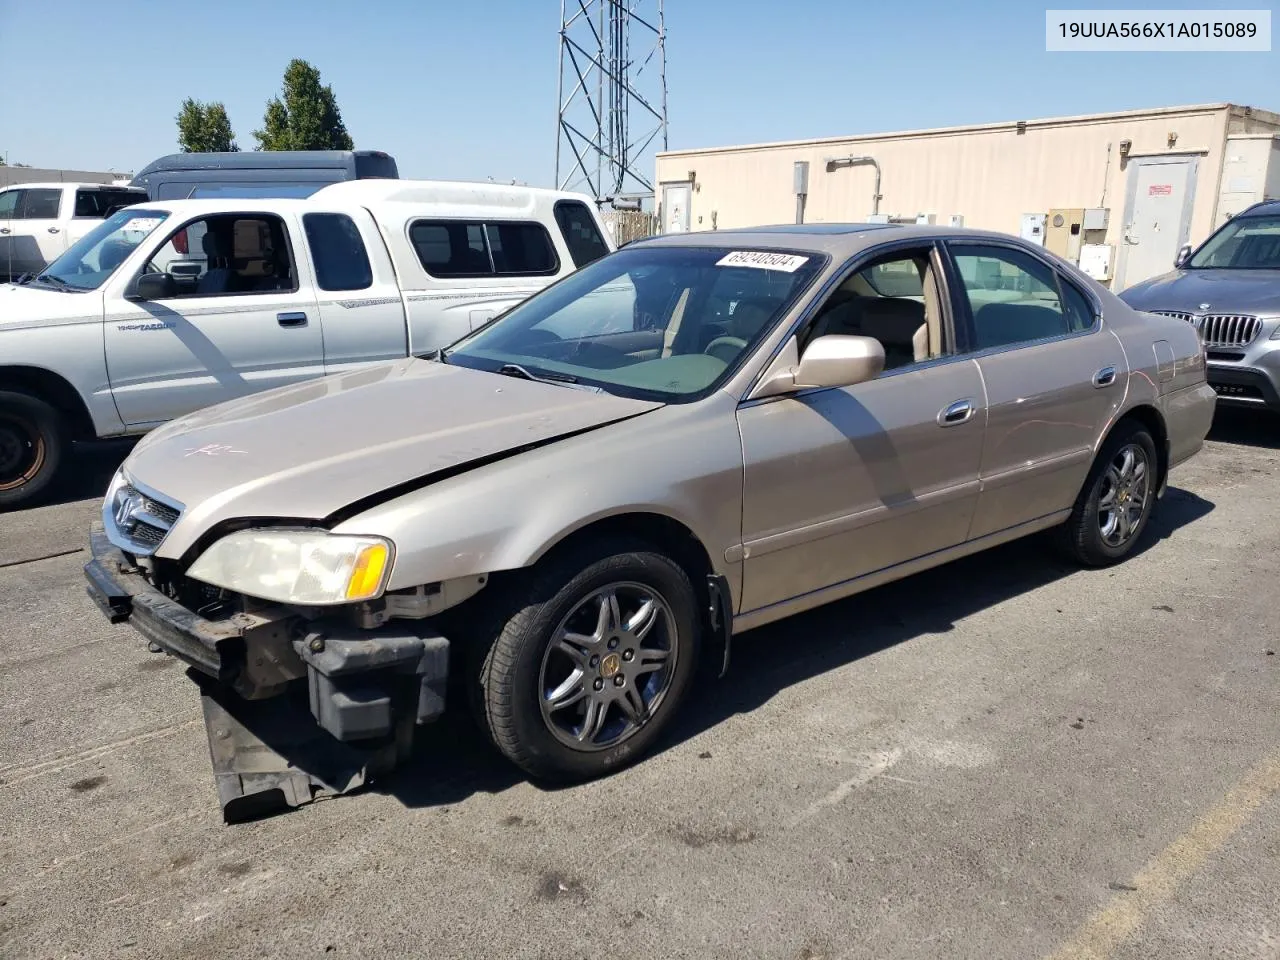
x: 305, y: 116
x: 205, y: 128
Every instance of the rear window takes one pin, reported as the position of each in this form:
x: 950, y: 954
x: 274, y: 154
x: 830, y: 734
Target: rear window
x: 98, y: 204
x: 461, y: 248
x: 581, y: 234
x: 342, y: 262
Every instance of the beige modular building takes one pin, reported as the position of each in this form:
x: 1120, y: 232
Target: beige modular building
x: 1118, y: 193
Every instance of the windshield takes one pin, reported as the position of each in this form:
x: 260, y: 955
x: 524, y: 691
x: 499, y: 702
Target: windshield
x: 1246, y: 243
x: 91, y: 260
x: 663, y: 323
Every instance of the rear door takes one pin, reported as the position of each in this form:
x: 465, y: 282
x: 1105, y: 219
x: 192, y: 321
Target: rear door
x: 241, y: 319
x: 35, y: 232
x: 1054, y: 379
x: 358, y: 300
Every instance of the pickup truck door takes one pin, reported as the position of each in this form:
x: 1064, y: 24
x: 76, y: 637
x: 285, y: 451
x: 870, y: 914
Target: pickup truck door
x: 358, y: 299
x: 238, y: 317
x: 33, y: 238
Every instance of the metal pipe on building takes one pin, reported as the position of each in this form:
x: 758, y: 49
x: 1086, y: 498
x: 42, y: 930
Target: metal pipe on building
x: 834, y: 162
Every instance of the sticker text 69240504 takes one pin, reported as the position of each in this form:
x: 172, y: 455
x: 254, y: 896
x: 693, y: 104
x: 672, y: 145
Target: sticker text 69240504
x: 763, y: 260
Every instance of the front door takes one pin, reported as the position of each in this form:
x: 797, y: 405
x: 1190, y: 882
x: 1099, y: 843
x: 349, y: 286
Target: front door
x: 843, y: 482
x: 1054, y: 379
x: 239, y: 320
x: 1158, y: 217
x: 676, y: 198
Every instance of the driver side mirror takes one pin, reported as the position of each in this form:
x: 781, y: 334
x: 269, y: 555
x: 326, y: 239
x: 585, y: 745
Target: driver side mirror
x: 153, y: 286
x: 1184, y: 254
x: 833, y: 360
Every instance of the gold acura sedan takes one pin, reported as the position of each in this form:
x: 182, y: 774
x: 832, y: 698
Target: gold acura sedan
x: 560, y: 516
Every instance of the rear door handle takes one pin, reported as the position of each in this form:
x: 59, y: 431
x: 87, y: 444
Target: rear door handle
x: 291, y: 319
x: 1104, y: 377
x: 956, y: 413
x: 4, y: 229
x: 53, y: 229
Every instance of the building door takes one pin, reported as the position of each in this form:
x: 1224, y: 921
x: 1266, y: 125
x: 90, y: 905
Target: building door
x: 675, y: 207
x: 1157, y: 216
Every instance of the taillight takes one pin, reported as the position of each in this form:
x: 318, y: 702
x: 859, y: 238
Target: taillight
x: 180, y: 242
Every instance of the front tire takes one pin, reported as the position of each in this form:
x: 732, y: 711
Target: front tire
x: 592, y: 663
x: 1116, y: 502
x: 33, y: 442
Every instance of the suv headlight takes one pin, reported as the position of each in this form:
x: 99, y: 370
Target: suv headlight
x: 304, y: 567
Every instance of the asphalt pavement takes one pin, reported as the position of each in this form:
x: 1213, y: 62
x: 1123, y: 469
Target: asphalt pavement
x: 1005, y: 757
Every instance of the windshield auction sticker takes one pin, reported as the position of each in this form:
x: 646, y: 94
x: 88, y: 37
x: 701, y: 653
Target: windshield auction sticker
x: 142, y: 224
x: 761, y: 260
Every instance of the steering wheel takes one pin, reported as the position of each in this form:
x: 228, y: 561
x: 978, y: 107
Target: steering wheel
x: 725, y: 348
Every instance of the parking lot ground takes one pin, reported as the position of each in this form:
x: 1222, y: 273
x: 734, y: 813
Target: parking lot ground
x: 1003, y: 758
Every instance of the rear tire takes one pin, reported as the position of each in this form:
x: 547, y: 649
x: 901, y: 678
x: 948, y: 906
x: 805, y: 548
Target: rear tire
x: 596, y: 653
x: 33, y: 444
x: 1116, y: 502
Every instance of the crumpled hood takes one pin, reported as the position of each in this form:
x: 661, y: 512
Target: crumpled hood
x: 308, y: 450
x: 27, y: 306
x: 1225, y: 291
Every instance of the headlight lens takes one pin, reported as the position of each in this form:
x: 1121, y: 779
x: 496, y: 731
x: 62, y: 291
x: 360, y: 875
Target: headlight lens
x: 1275, y: 334
x: 305, y: 567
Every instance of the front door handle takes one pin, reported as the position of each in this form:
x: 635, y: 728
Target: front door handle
x: 956, y: 413
x: 53, y: 229
x: 4, y: 229
x: 1104, y: 377
x: 291, y: 319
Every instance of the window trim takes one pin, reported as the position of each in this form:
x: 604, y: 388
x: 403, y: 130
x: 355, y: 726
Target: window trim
x: 961, y: 300
x: 315, y: 263
x: 485, y: 222
x: 246, y: 214
x: 555, y: 215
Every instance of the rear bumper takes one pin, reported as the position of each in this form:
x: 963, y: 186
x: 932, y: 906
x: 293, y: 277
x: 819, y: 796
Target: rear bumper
x: 292, y: 706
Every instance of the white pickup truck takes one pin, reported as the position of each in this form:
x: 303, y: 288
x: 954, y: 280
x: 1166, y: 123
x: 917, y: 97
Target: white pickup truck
x: 172, y: 306
x: 39, y: 221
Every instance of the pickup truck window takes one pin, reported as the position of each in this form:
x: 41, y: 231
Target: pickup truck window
x: 227, y: 255
x: 97, y: 204
x: 39, y: 204
x: 580, y: 232
x: 342, y: 262
x: 94, y: 257
x: 460, y: 248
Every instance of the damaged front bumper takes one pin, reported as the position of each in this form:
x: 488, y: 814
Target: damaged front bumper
x: 294, y: 708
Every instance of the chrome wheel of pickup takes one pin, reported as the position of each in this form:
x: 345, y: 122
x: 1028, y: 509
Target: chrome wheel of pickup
x: 1126, y: 485
x: 609, y: 666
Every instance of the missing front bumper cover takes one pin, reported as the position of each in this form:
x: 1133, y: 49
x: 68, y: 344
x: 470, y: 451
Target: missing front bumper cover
x: 293, y: 710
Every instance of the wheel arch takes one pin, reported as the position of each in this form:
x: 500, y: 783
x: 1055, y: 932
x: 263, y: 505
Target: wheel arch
x: 1150, y: 418
x: 53, y: 389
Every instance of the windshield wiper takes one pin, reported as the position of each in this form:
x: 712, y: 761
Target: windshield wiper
x: 515, y: 370
x: 52, y: 281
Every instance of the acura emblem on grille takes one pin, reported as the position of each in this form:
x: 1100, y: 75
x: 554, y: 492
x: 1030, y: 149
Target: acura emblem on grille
x: 126, y: 510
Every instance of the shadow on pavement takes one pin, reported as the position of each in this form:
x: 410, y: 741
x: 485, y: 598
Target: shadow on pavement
x: 1246, y: 427
x: 452, y: 760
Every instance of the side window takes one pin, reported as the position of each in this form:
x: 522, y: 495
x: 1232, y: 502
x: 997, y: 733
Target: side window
x: 1012, y: 296
x: 1080, y: 314
x: 580, y: 232
x: 89, y: 204
x: 225, y: 255
x: 458, y: 248
x: 893, y: 299
x: 9, y: 203
x: 521, y: 249
x: 39, y: 204
x: 342, y: 262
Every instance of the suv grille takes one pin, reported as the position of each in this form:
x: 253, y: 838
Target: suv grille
x: 138, y: 521
x: 1220, y: 329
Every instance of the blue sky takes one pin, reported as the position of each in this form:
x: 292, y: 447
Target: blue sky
x: 468, y: 88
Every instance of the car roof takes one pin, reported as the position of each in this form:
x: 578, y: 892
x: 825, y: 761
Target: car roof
x: 1265, y: 208
x: 838, y: 239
